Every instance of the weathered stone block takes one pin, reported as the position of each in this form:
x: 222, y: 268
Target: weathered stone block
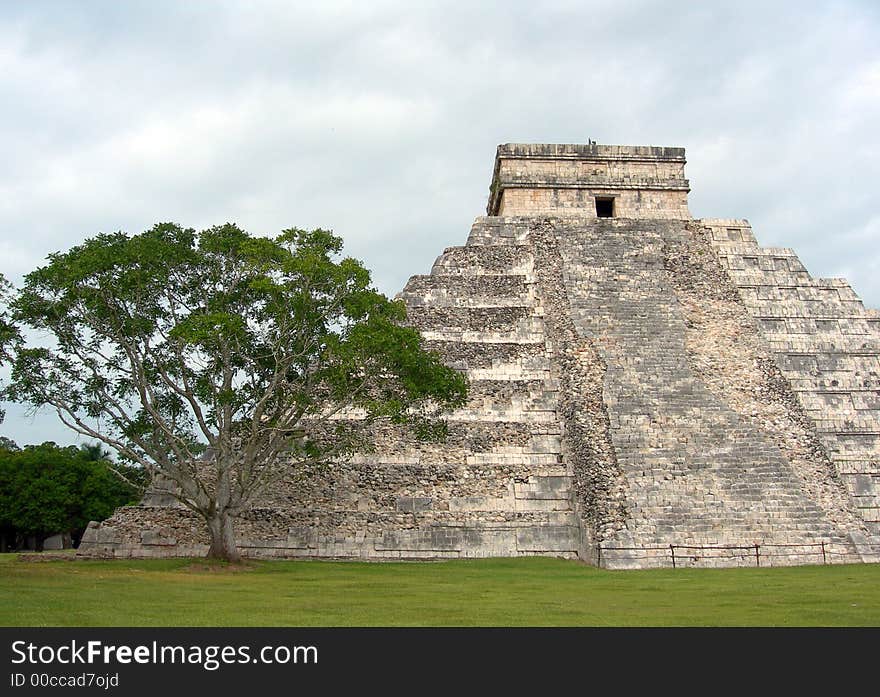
x: 549, y: 538
x: 414, y: 504
x: 151, y: 536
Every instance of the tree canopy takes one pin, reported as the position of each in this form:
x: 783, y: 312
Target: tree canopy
x: 221, y: 360
x: 46, y: 490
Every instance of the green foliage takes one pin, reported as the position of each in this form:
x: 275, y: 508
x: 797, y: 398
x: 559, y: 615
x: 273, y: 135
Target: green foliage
x: 9, y: 333
x: 212, y: 357
x: 46, y: 489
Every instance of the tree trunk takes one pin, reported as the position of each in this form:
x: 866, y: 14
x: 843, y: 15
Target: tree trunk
x: 222, y: 538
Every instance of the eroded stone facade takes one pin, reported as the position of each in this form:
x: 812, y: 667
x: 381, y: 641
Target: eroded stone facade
x: 642, y: 385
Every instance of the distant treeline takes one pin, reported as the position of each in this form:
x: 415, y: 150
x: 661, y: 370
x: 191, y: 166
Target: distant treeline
x: 48, y: 490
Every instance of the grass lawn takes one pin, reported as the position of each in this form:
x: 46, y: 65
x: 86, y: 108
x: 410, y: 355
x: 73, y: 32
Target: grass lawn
x: 491, y: 592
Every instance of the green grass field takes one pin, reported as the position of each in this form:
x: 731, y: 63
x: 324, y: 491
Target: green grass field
x: 493, y: 592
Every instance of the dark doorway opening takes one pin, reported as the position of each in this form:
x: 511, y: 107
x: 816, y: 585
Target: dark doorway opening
x: 604, y: 207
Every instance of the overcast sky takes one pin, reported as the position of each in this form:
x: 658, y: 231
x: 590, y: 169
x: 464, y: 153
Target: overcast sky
x: 380, y: 119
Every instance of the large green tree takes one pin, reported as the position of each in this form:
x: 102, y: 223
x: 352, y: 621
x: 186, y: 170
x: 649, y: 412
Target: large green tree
x: 46, y: 490
x: 223, y: 361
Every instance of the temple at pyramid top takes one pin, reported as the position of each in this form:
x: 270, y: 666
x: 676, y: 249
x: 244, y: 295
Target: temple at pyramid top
x: 599, y: 181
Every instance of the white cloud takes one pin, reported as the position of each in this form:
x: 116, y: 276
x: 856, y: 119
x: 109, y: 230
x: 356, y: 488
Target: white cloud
x: 380, y: 119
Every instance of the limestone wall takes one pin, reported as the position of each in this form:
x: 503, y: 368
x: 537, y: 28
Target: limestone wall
x: 580, y: 201
x: 594, y: 172
x: 645, y: 182
x: 827, y: 346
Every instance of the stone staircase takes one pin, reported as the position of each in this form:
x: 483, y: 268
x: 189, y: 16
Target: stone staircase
x: 696, y: 472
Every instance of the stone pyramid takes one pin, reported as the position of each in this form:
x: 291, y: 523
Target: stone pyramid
x: 647, y: 389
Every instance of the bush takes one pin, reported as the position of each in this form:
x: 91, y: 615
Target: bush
x: 48, y: 490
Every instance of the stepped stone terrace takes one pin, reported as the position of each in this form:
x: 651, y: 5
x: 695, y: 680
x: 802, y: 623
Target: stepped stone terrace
x: 647, y: 389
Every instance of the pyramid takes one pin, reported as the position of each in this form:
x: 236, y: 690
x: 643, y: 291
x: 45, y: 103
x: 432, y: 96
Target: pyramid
x: 647, y: 389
